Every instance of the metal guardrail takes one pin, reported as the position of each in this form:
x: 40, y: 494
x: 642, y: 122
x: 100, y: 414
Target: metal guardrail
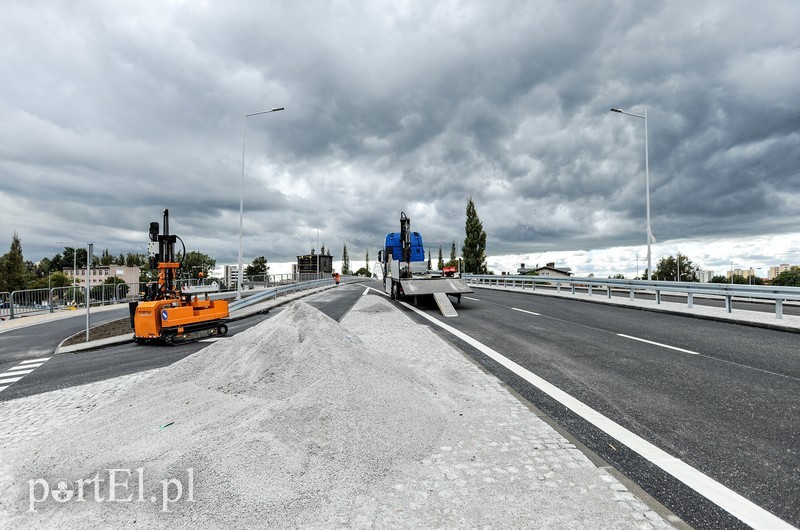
x: 32, y: 301
x: 275, y: 291
x: 775, y: 294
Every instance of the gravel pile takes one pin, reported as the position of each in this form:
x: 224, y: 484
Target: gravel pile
x: 305, y: 422
x: 274, y: 423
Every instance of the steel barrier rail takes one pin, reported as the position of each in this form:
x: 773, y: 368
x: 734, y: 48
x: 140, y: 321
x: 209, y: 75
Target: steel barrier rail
x: 30, y: 301
x: 776, y: 294
x: 275, y: 291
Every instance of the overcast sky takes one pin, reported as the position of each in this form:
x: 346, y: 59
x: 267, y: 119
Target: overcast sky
x: 112, y: 111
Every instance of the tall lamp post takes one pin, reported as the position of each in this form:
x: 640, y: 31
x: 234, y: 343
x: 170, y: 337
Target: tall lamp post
x: 319, y: 254
x: 647, y: 187
x: 241, y: 196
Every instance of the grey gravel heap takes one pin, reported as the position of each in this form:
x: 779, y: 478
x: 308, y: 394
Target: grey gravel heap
x: 305, y: 422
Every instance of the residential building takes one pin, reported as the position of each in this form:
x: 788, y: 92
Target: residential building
x: 705, y: 276
x: 783, y: 267
x: 230, y: 275
x: 98, y: 275
x: 548, y: 270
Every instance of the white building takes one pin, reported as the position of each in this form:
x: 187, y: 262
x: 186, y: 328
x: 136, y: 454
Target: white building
x: 774, y: 271
x: 98, y: 275
x: 705, y: 276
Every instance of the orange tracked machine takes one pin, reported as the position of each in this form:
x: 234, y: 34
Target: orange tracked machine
x: 169, y: 314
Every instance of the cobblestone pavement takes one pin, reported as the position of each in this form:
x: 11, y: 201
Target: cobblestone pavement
x: 37, y: 416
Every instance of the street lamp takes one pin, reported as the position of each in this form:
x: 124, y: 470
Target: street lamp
x: 241, y: 196
x: 319, y: 255
x: 647, y: 187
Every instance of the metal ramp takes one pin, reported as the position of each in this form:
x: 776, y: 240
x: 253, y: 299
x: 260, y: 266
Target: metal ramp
x: 445, y: 306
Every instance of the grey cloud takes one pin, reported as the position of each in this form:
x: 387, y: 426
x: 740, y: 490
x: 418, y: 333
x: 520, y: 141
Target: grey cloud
x: 120, y: 110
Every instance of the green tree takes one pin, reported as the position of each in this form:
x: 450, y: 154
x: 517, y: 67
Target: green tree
x: 474, y: 249
x: 74, y: 257
x: 440, y: 263
x: 195, y: 262
x: 55, y: 279
x: 122, y: 290
x: 790, y: 278
x: 453, y: 252
x: 366, y: 261
x: 13, y: 273
x: 363, y: 271
x: 345, y: 261
x: 106, y: 258
x: 668, y: 269
x: 136, y: 260
x: 737, y: 279
x: 259, y: 267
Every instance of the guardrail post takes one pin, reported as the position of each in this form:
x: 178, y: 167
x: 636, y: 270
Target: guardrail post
x: 658, y: 296
x: 533, y: 285
x: 609, y: 292
x: 778, y: 308
x: 728, y: 303
x: 690, y: 299
x: 558, y: 287
x: 631, y: 294
x: 590, y: 289
x: 573, y: 287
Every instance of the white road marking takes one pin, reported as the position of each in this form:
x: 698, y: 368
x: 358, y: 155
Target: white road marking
x: 365, y: 292
x: 529, y: 312
x: 470, y: 298
x: 746, y: 511
x: 34, y: 361
x: 14, y: 371
x: 213, y: 339
x: 658, y: 344
x: 12, y: 375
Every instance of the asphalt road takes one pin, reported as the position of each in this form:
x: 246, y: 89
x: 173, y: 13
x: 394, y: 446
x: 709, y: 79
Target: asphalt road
x: 731, y: 410
x: 67, y: 370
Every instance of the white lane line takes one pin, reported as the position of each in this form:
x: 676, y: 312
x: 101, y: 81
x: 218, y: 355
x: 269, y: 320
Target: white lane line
x: 473, y: 299
x: 366, y: 291
x: 658, y: 344
x: 34, y: 361
x: 11, y: 373
x: 746, y: 511
x: 529, y: 312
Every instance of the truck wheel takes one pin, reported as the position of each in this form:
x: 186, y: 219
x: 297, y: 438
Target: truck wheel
x: 222, y: 330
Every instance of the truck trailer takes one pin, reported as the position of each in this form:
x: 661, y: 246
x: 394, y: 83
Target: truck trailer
x: 406, y: 274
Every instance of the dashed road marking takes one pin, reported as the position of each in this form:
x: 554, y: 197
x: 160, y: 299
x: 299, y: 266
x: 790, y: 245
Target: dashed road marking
x: 473, y: 299
x: 529, y: 312
x: 658, y: 344
x: 15, y: 373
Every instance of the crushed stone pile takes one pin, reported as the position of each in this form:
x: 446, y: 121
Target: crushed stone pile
x: 273, y: 423
x: 303, y: 422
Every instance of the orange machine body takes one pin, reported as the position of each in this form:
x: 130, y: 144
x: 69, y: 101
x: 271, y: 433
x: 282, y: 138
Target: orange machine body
x: 156, y: 318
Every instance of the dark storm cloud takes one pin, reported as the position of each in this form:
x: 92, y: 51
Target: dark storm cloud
x: 110, y: 112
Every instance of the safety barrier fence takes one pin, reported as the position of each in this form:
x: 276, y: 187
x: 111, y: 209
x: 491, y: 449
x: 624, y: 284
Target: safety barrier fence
x: 776, y: 295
